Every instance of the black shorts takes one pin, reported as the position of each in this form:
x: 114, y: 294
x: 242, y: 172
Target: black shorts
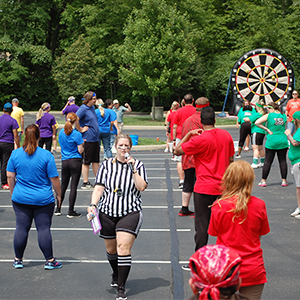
x: 189, y: 180
x: 130, y: 223
x: 91, y: 153
x: 257, y: 138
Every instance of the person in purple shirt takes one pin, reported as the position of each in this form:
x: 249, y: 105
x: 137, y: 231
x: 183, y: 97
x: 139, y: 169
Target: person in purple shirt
x: 46, y: 123
x: 70, y: 107
x: 8, y: 135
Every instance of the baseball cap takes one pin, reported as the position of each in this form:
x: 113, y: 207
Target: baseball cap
x: 71, y: 99
x: 115, y: 101
x: 7, y: 107
x: 15, y: 100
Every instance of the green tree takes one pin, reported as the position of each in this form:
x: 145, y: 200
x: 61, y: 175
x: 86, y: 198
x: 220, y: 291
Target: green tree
x: 75, y: 72
x: 157, y: 52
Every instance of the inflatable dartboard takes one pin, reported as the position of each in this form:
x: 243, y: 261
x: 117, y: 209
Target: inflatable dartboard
x: 261, y: 74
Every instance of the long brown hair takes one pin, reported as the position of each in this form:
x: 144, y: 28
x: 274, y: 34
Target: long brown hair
x: 237, y: 184
x: 32, y: 134
x: 71, y: 119
x: 87, y: 97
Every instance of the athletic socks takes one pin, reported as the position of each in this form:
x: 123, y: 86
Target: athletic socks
x: 262, y: 160
x: 124, y: 265
x: 113, y: 261
x: 255, y: 160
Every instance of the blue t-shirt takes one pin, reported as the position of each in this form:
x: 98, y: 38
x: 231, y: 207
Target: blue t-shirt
x: 7, y: 124
x: 45, y: 124
x: 69, y: 143
x: 87, y: 117
x: 33, y: 173
x: 104, y: 122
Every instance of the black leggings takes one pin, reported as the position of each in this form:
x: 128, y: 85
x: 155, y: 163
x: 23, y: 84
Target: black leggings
x: 70, y: 168
x: 244, y: 131
x: 47, y: 141
x: 42, y: 216
x: 281, y: 155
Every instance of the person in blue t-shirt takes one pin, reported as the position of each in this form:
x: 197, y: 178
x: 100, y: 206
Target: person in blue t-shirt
x: 91, y: 154
x: 71, y: 143
x: 31, y: 173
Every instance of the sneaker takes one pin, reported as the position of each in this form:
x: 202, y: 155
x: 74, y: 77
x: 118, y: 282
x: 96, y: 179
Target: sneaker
x: 284, y: 183
x: 185, y: 214
x: 166, y: 150
x: 114, y: 280
x: 121, y: 295
x: 254, y: 166
x: 57, y: 212
x: 260, y: 165
x: 186, y: 268
x: 297, y: 217
x: 50, y: 265
x: 173, y: 158
x: 54, y: 152
x: 73, y: 214
x: 18, y: 264
x: 87, y: 186
x: 262, y: 184
x: 296, y: 212
x: 237, y: 156
x: 246, y: 148
x: 180, y: 185
x: 5, y: 186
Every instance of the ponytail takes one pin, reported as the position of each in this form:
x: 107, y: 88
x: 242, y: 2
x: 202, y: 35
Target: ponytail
x: 71, y: 119
x: 32, y: 134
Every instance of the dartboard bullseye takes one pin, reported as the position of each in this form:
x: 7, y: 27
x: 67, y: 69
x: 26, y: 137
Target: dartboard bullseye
x: 262, y: 74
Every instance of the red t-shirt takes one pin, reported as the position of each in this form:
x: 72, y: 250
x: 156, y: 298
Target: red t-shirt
x: 212, y: 150
x: 244, y: 237
x: 292, y: 106
x: 170, y: 120
x: 181, y: 115
x: 191, y: 123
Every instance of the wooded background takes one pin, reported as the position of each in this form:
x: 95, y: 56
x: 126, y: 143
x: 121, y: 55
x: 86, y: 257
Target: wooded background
x: 134, y: 50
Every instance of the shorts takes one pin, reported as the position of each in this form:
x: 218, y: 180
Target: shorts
x: 177, y: 158
x: 257, y: 138
x: 130, y: 223
x: 296, y: 173
x: 189, y: 180
x: 91, y: 153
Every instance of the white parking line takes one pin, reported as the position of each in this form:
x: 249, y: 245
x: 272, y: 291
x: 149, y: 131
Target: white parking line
x: 89, y: 229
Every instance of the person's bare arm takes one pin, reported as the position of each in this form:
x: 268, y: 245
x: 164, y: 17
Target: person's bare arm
x: 11, y: 179
x: 56, y: 185
x: 22, y: 125
x: 178, y: 150
x: 16, y: 137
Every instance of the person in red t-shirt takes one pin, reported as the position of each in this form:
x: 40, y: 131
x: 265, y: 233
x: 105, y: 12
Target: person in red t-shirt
x: 169, y: 125
x: 238, y: 220
x: 180, y: 116
x: 293, y: 105
x: 188, y: 163
x: 213, y: 151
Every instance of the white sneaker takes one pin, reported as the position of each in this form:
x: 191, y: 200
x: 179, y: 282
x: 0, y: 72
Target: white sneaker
x: 260, y: 165
x: 166, y: 150
x: 297, y: 217
x: 254, y: 166
x: 296, y: 213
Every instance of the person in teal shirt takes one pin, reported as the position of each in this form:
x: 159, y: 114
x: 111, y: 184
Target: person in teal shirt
x: 276, y: 143
x: 257, y: 135
x: 294, y: 156
x: 245, y: 128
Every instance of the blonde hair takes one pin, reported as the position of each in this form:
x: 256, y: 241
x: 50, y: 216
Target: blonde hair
x: 175, y: 105
x: 40, y: 113
x: 261, y: 109
x: 71, y: 119
x: 237, y: 184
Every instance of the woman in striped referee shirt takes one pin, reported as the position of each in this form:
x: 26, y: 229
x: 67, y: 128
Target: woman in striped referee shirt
x: 117, y: 194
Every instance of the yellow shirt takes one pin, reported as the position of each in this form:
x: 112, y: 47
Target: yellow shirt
x: 17, y: 113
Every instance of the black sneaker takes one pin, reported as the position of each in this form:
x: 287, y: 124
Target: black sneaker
x: 114, y: 280
x: 87, y: 186
x: 73, y: 214
x: 121, y: 295
x: 185, y: 268
x: 185, y: 213
x: 57, y: 212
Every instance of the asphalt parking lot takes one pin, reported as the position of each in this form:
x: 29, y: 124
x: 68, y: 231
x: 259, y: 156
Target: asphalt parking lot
x: 163, y: 245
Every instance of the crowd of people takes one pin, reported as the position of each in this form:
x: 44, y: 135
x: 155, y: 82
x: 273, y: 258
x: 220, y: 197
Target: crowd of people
x: 221, y: 188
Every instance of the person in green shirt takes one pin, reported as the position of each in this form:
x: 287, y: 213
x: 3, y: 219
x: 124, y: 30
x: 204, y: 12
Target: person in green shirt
x: 294, y: 156
x: 257, y: 135
x: 276, y: 143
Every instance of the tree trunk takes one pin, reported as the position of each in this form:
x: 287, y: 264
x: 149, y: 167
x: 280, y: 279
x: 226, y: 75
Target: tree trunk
x: 153, y: 108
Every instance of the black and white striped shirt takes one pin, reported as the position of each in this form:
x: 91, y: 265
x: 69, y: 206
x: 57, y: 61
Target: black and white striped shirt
x: 120, y: 196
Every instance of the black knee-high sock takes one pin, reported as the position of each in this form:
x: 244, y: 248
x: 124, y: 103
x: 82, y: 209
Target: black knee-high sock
x: 113, y: 261
x: 124, y: 265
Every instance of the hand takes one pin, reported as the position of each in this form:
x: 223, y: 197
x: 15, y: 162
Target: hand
x: 126, y: 104
x: 269, y: 131
x: 287, y: 131
x: 84, y: 129
x: 58, y: 198
x: 196, y: 132
x: 237, y: 126
x: 130, y: 160
x: 91, y: 209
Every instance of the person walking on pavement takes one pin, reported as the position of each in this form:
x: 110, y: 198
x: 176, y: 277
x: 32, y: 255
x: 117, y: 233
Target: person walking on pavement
x: 88, y: 119
x: 18, y: 115
x: 213, y: 151
x: 8, y: 136
x: 188, y: 162
x: 179, y: 117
